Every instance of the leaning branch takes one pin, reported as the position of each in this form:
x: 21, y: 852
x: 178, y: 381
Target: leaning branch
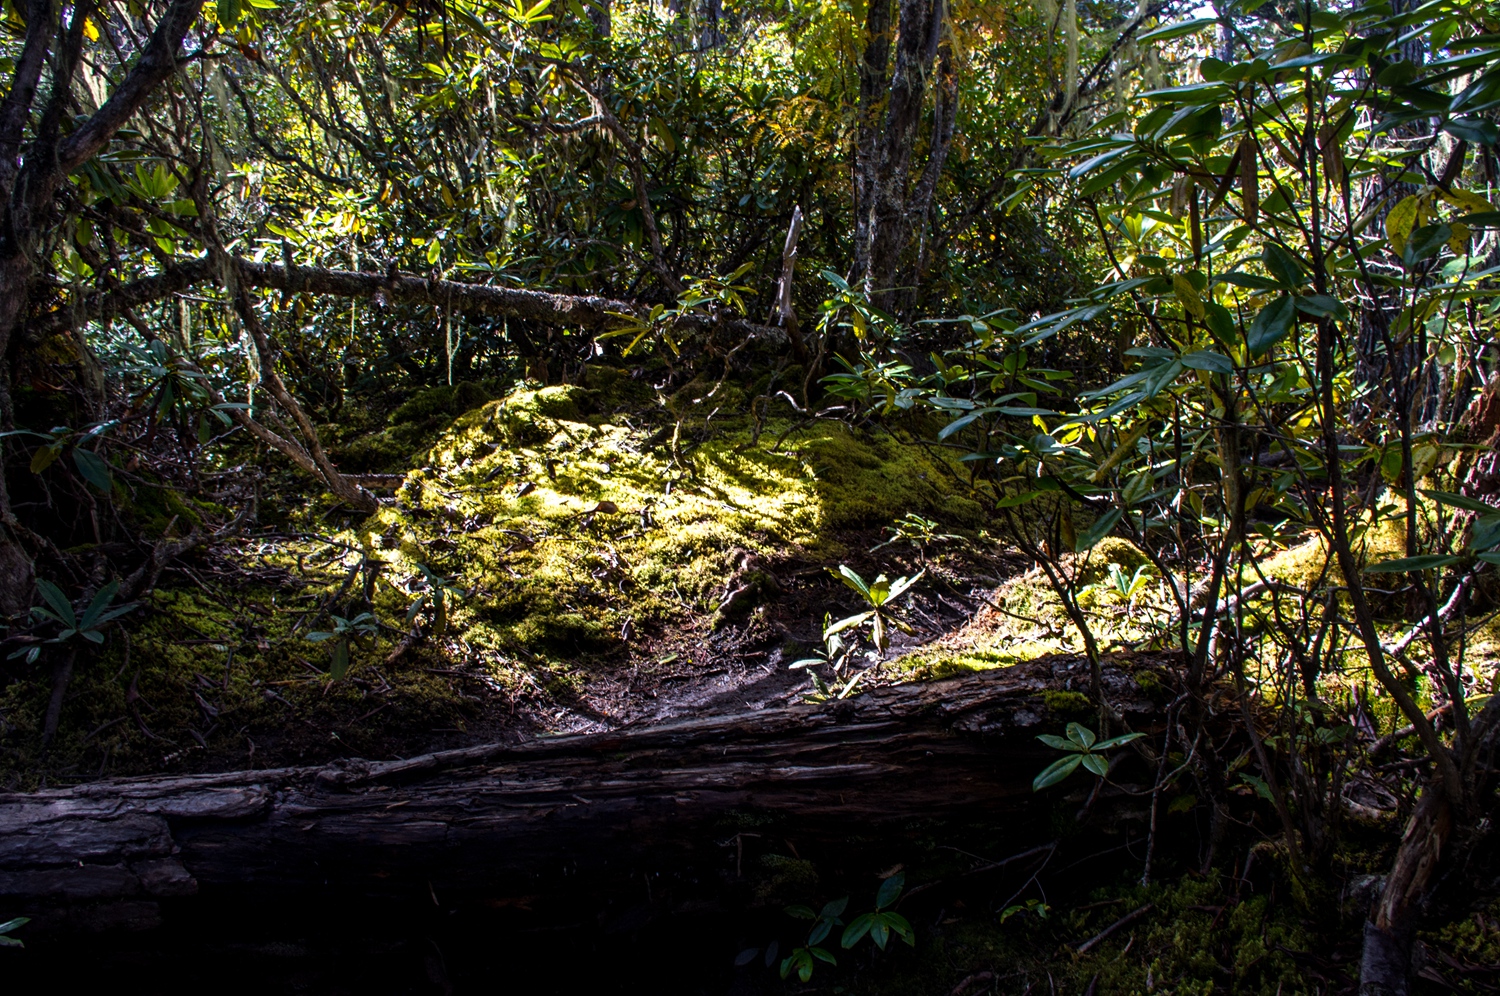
x: 578, y: 310
x: 158, y: 62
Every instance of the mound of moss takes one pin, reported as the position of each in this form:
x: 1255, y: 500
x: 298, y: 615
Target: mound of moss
x: 571, y: 529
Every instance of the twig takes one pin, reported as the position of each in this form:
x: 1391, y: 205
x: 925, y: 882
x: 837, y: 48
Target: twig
x: 971, y: 980
x: 989, y: 866
x: 1125, y: 920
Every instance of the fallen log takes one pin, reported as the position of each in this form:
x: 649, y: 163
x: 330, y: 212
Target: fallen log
x: 494, y: 816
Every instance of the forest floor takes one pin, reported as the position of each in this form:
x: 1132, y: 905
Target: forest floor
x: 600, y: 563
x: 572, y: 559
x: 610, y: 555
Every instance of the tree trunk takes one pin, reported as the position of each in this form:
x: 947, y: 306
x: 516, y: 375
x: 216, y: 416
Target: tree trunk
x: 1441, y: 850
x: 484, y: 817
x: 888, y: 188
x: 874, y: 65
x: 30, y: 176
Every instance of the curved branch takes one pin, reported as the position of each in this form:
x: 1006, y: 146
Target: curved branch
x: 158, y: 62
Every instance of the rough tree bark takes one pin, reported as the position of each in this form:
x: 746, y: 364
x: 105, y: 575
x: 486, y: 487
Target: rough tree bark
x: 31, y: 175
x: 889, y: 185
x: 1444, y: 835
x: 483, y: 817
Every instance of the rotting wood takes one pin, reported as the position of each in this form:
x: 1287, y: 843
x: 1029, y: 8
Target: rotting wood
x: 491, y: 815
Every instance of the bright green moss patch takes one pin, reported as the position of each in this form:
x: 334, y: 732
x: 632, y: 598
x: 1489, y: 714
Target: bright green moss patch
x: 1065, y: 704
x: 937, y: 662
x: 572, y: 530
x: 222, y: 679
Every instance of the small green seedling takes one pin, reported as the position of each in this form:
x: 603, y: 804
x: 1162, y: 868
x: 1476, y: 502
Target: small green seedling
x: 345, y: 632
x: 1128, y: 586
x: 436, y: 591
x: 880, y: 595
x: 919, y: 532
x: 883, y: 922
x: 1036, y: 906
x: 801, y: 959
x: 1083, y: 748
x: 89, y: 626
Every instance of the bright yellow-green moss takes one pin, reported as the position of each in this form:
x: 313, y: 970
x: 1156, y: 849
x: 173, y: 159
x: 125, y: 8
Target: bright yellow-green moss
x: 566, y: 525
x: 581, y: 523
x: 1025, y: 619
x: 939, y: 662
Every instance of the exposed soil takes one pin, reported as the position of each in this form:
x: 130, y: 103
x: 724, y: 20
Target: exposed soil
x: 680, y: 670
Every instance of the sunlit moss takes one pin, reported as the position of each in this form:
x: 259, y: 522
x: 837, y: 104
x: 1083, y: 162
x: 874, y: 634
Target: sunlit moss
x: 566, y: 526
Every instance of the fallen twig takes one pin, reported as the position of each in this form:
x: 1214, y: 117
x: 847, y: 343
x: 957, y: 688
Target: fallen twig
x: 1125, y: 920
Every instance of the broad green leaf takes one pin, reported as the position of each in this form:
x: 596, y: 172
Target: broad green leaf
x: 1219, y: 319
x: 1259, y: 785
x: 857, y: 929
x: 1117, y: 741
x: 1100, y: 529
x: 1282, y: 266
x: 54, y: 597
x: 1322, y: 306
x: 1249, y: 281
x: 889, y: 890
x: 847, y: 622
x: 1271, y: 325
x: 1461, y: 501
x: 1422, y: 562
x: 44, y: 458
x: 1011, y: 501
x: 1205, y: 359
x: 104, y: 596
x: 1056, y: 772
x: 902, y: 927
x: 1177, y: 29
x: 1473, y: 129
x: 1056, y: 742
x: 1096, y: 763
x: 1425, y: 242
x: 901, y: 584
x: 1081, y: 735
x: 94, y: 468
x: 854, y: 581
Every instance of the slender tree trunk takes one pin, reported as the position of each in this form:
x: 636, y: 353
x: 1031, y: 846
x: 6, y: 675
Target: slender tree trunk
x: 916, y: 50
x: 873, y: 69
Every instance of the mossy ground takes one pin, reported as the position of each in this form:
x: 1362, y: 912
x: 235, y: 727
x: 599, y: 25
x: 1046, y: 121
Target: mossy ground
x: 589, y: 532
x: 595, y: 531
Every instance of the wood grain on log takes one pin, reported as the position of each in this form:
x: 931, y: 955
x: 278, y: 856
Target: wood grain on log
x: 487, y: 816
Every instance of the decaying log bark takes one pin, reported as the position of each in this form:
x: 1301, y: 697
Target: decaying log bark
x: 498, y: 815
